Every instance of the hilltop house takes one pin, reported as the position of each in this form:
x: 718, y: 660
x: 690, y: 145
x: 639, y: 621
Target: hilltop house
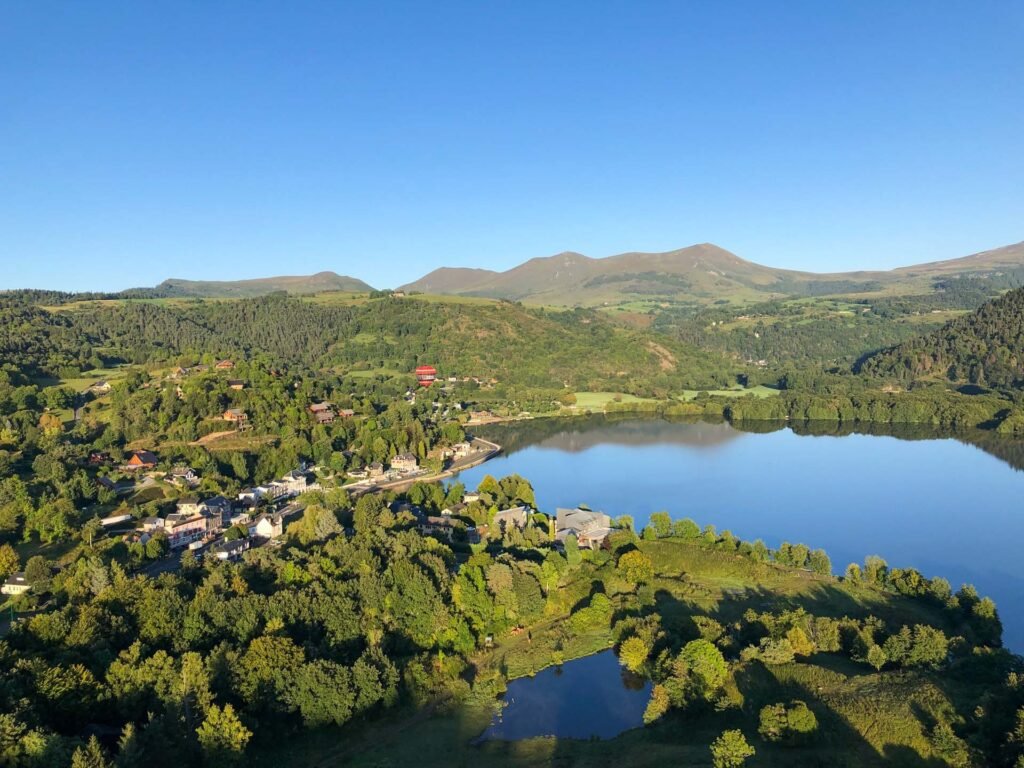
x: 591, y: 529
x: 140, y: 460
x: 323, y: 412
x: 236, y: 415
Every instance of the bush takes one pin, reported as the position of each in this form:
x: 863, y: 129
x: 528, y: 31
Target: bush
x: 790, y: 724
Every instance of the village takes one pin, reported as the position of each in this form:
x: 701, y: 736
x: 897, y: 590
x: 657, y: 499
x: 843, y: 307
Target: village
x: 224, y: 527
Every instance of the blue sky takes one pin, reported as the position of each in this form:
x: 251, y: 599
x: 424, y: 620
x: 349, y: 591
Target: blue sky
x: 144, y: 140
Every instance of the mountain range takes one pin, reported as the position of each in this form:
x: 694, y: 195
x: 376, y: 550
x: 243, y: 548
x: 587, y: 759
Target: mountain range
x: 702, y: 273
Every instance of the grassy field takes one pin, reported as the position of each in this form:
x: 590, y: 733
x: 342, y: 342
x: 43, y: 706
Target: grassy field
x: 599, y: 400
x: 866, y: 718
x: 758, y: 391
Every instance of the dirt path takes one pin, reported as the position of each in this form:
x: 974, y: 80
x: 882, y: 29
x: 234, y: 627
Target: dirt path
x: 213, y: 436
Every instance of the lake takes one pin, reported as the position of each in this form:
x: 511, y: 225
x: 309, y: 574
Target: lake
x: 584, y: 698
x: 934, y: 502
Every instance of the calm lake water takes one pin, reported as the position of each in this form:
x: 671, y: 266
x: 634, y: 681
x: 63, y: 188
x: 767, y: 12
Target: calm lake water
x: 584, y: 698
x: 941, y: 505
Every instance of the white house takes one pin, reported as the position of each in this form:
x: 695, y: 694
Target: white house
x: 16, y: 584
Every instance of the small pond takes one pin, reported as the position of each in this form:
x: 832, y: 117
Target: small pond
x: 591, y: 697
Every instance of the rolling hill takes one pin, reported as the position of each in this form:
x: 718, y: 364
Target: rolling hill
x: 300, y: 284
x: 700, y: 274
x: 985, y: 347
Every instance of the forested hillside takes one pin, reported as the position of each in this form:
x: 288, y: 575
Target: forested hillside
x: 985, y: 348
x: 526, y: 347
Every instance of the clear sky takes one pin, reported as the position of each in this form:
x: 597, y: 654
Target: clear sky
x: 222, y: 140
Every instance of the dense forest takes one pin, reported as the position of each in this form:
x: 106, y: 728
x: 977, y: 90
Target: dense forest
x: 984, y: 348
x: 359, y: 613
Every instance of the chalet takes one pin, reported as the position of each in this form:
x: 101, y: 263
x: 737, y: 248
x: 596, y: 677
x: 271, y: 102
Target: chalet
x: 231, y: 550
x: 140, y: 460
x: 405, y: 462
x: 16, y: 584
x: 98, y: 458
x: 224, y: 365
x: 236, y: 384
x: 591, y: 529
x: 236, y: 415
x: 506, y: 519
x: 346, y: 413
x: 100, y: 387
x: 183, y: 476
x: 323, y: 413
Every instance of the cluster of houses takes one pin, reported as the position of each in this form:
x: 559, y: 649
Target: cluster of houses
x: 326, y: 413
x: 197, y: 522
x: 289, y: 486
x: 591, y: 529
x: 445, y: 525
x: 402, y: 465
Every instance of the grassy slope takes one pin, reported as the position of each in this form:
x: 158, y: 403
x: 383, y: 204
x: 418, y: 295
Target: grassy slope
x: 866, y: 718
